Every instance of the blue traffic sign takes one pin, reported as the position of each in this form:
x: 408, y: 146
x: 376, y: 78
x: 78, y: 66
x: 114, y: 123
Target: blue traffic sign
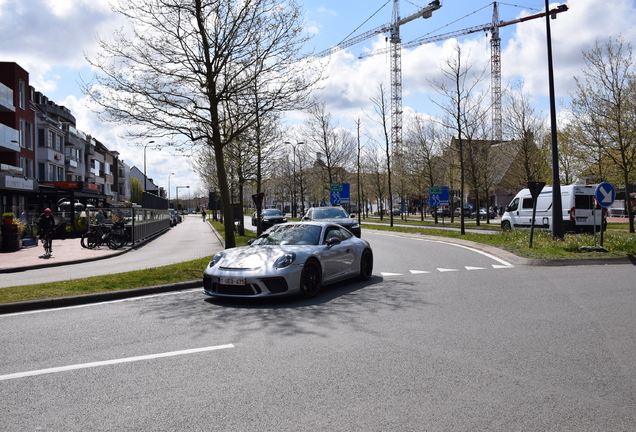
x: 438, y: 196
x: 339, y: 193
x: 605, y: 194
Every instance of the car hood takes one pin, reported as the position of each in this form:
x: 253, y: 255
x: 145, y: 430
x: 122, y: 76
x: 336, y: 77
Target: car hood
x: 255, y: 257
x: 340, y: 221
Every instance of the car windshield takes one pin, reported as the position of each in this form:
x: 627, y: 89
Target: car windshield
x: 290, y: 235
x: 271, y: 212
x: 330, y: 213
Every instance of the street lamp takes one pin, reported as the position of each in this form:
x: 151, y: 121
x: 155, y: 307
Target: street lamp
x: 146, y: 177
x: 171, y: 174
x: 295, y: 202
x: 177, y: 188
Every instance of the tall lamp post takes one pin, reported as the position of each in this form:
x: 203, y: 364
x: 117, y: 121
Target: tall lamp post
x: 557, y: 206
x: 171, y: 174
x: 177, y: 188
x: 145, y: 176
x: 295, y: 202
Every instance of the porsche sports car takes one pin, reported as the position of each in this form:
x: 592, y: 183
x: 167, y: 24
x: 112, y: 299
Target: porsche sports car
x: 292, y: 258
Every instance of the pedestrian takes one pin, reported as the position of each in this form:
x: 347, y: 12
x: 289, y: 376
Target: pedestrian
x: 203, y: 214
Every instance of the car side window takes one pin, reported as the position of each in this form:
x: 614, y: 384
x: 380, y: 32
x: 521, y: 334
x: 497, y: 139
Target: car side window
x: 337, y: 232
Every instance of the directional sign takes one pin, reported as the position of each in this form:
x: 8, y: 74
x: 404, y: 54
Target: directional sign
x: 438, y: 196
x: 339, y: 193
x: 605, y: 194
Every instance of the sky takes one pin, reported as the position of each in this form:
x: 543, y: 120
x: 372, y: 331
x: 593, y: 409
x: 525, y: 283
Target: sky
x: 50, y: 38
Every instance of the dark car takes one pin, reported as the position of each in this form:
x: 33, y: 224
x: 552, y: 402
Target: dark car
x: 467, y: 212
x: 334, y: 215
x: 269, y: 218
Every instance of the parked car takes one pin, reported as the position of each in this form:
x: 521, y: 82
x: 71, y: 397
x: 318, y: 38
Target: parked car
x: 443, y: 212
x: 174, y: 218
x: 396, y: 212
x: 335, y: 215
x: 293, y: 258
x: 269, y: 218
x: 456, y: 212
x: 482, y: 214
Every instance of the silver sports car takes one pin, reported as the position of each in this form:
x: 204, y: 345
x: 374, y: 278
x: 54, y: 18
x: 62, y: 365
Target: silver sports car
x: 291, y: 258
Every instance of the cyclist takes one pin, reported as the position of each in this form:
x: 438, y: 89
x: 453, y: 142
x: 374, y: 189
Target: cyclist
x: 46, y: 225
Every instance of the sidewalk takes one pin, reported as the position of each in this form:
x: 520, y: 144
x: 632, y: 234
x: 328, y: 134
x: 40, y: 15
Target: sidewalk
x: 68, y: 251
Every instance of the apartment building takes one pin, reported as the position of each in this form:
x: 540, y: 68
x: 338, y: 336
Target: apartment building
x: 45, y: 159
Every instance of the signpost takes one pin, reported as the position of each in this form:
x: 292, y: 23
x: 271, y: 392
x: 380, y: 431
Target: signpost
x: 535, y: 190
x: 605, y: 195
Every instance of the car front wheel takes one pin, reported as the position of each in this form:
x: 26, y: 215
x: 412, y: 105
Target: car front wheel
x: 505, y: 225
x: 310, y: 279
x: 366, y: 265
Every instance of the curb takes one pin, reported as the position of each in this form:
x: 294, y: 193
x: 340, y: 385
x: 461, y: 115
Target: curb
x: 31, y: 305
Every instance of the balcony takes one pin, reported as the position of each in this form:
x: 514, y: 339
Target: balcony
x: 6, y: 99
x: 9, y: 139
x: 10, y: 169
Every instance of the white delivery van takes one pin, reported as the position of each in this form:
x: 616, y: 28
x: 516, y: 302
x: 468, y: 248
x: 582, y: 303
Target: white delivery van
x: 578, y: 206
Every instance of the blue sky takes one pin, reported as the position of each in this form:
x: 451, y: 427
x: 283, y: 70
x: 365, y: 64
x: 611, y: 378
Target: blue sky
x: 49, y: 39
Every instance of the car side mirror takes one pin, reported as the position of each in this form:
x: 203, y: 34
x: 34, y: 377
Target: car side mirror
x: 333, y: 241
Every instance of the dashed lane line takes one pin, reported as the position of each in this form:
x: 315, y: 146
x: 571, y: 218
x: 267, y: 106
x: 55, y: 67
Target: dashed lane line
x: 444, y: 270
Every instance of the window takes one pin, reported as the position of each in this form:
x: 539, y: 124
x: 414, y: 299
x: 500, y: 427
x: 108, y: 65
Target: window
x: 41, y: 142
x: 22, y: 136
x: 51, y: 142
x: 60, y: 174
x: 29, y: 136
x: 51, y: 176
x: 21, y: 94
x: 41, y: 171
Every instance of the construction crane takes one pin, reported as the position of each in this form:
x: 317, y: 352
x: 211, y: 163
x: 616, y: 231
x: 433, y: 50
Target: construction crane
x: 396, y: 59
x: 495, y: 52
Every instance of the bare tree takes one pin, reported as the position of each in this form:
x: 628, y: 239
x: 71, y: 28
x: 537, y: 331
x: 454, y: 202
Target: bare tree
x: 383, y: 112
x: 334, y: 146
x: 184, y: 62
x: 525, y: 128
x: 604, y: 107
x: 460, y: 88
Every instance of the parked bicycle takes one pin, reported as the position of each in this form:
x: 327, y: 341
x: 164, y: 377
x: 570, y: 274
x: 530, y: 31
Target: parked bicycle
x: 114, y: 236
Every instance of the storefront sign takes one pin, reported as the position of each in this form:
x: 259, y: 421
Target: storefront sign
x: 21, y: 183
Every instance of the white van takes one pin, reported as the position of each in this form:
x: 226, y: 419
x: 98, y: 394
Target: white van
x: 578, y: 207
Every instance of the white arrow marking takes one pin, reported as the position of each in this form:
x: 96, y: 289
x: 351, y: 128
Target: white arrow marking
x: 418, y: 271
x: 607, y: 196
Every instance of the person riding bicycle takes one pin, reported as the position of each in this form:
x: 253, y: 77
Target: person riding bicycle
x: 46, y: 224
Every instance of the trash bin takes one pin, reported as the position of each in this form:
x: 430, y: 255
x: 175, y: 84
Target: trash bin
x: 10, y: 240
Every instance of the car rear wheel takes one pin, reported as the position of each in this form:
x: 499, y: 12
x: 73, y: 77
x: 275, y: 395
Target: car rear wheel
x: 310, y: 279
x: 366, y: 265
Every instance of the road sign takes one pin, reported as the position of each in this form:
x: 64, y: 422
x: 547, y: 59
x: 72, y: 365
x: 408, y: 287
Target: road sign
x: 438, y: 196
x: 605, y: 194
x: 339, y: 193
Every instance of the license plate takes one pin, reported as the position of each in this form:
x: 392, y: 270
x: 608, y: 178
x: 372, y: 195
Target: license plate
x: 581, y: 219
x: 232, y: 281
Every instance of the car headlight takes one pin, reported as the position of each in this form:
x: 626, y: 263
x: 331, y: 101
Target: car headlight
x: 285, y: 261
x: 355, y: 225
x: 216, y: 258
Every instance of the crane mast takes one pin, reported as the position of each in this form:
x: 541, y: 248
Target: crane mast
x: 393, y: 28
x: 495, y: 52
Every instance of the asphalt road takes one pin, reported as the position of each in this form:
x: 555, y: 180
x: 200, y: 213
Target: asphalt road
x: 442, y: 338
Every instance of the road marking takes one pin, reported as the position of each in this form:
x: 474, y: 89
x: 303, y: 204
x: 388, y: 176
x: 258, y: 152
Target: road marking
x: 446, y: 270
x: 112, y: 362
x: 390, y: 274
x: 418, y: 271
x: 502, y: 266
x: 475, y: 268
